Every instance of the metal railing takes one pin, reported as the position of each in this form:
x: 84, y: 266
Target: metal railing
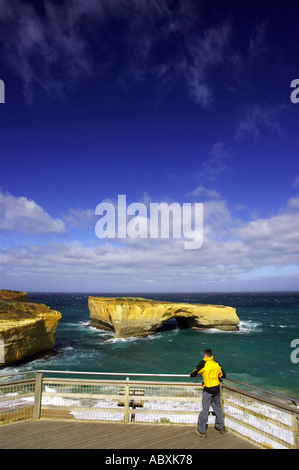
x: 269, y: 422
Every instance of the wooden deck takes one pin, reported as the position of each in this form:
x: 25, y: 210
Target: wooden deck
x: 54, y: 434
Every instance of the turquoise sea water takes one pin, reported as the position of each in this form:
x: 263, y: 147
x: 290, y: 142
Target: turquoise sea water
x: 258, y: 354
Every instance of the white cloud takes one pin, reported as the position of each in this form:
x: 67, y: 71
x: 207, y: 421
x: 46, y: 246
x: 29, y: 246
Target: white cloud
x: 233, y: 252
x: 206, y: 52
x: 25, y: 216
x: 215, y: 163
x: 296, y: 182
x: 203, y: 192
x: 53, y: 51
x: 47, y: 51
x: 258, y: 43
x: 80, y: 217
x: 258, y: 118
x: 274, y: 240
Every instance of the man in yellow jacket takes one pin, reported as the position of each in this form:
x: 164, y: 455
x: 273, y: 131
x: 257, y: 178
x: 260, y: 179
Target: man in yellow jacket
x: 211, y: 372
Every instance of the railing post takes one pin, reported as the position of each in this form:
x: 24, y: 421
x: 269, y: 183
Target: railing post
x: 37, y: 396
x: 222, y: 402
x: 127, y: 396
x: 295, y: 431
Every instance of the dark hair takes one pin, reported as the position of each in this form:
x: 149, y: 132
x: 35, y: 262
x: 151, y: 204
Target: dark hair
x: 208, y: 352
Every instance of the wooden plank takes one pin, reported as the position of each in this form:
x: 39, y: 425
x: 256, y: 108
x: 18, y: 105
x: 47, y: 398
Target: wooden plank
x: 47, y: 434
x: 120, y: 397
x: 18, y: 382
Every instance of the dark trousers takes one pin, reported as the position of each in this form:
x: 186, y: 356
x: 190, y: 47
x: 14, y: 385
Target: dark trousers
x: 214, y: 401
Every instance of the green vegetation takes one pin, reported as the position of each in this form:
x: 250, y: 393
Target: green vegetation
x: 16, y: 310
x: 4, y: 306
x: 163, y: 420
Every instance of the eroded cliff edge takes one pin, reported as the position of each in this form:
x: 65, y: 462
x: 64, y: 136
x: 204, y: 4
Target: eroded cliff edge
x: 130, y: 316
x: 26, y: 328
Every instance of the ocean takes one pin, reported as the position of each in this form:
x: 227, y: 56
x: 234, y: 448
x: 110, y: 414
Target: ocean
x: 259, y: 353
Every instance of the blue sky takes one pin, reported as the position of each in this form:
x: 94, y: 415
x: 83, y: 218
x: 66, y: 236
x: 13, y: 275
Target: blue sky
x: 163, y: 101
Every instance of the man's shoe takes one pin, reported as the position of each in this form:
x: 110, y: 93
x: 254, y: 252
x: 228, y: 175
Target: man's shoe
x: 200, y: 434
x: 222, y: 430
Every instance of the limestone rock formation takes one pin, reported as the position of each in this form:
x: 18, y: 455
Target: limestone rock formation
x: 130, y: 316
x: 14, y: 295
x: 26, y: 328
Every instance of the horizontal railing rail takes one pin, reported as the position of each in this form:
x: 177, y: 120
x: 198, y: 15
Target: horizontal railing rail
x: 254, y: 387
x: 138, y: 374
x: 145, y: 397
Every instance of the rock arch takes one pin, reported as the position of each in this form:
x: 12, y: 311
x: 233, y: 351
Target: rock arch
x: 129, y: 316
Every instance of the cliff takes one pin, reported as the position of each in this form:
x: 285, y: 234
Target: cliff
x: 14, y: 295
x: 129, y: 316
x: 26, y: 328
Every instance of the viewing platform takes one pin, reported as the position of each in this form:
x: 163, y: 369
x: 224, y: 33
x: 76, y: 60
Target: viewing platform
x: 57, y: 434
x: 85, y: 410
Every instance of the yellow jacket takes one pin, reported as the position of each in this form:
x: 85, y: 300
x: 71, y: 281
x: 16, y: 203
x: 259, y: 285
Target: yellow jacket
x: 211, y: 372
